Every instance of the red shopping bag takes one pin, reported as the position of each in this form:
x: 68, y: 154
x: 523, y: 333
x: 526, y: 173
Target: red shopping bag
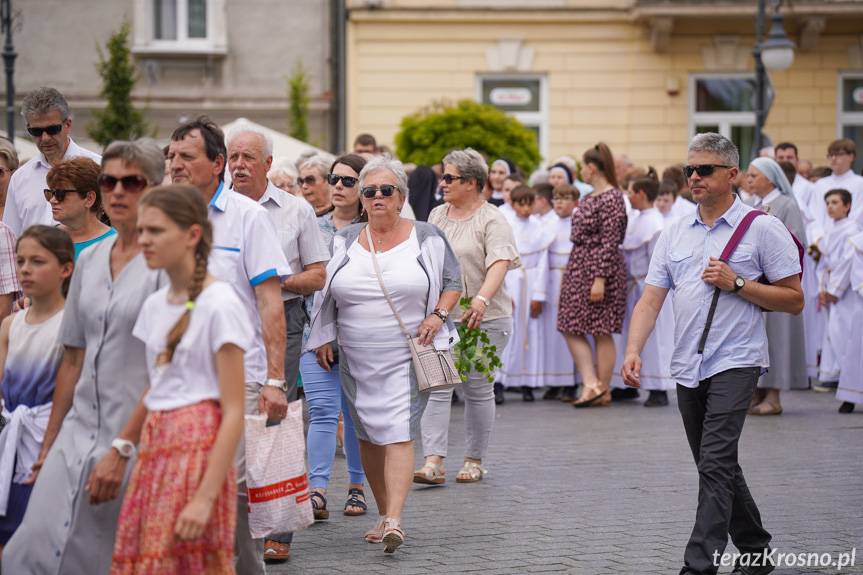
x: 276, y: 478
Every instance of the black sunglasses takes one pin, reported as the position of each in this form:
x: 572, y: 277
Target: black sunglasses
x: 347, y: 181
x: 310, y: 180
x: 133, y: 183
x: 61, y: 194
x: 448, y: 178
x: 386, y: 191
x: 51, y: 130
x: 702, y: 170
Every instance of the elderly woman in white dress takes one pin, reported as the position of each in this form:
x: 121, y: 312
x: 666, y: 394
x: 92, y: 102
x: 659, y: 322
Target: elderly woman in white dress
x: 422, y: 275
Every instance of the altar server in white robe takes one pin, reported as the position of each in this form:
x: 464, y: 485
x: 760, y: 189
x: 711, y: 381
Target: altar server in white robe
x: 834, y: 275
x: 642, y: 234
x: 559, y: 369
x: 850, y: 391
x: 543, y: 211
x: 841, y: 155
x: 522, y: 359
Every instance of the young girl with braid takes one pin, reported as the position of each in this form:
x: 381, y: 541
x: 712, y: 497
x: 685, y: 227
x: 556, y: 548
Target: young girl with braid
x: 179, y: 512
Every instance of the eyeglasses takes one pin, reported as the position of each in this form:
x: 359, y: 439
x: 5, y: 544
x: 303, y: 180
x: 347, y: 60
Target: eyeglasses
x: 3, y: 171
x: 832, y: 155
x: 133, y: 183
x: 386, y: 191
x: 310, y: 180
x: 348, y: 181
x: 448, y: 178
x: 60, y: 195
x: 702, y: 170
x: 51, y: 130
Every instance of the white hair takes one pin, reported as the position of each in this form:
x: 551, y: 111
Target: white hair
x: 386, y: 162
x: 569, y: 162
x: 283, y: 164
x: 323, y: 162
x: 265, y: 139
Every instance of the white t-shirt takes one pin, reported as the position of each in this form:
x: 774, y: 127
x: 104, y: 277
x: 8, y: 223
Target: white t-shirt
x: 217, y: 319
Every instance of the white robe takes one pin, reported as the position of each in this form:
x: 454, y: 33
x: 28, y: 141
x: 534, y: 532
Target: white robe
x: 682, y: 207
x: 834, y: 277
x: 814, y: 316
x: 847, y: 181
x: 638, y: 246
x: 851, y: 379
x: 522, y: 359
x: 558, y: 367
x: 508, y: 212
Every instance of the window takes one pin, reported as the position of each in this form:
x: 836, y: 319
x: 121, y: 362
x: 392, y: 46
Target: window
x: 180, y: 27
x: 849, y: 123
x: 523, y: 96
x: 723, y: 104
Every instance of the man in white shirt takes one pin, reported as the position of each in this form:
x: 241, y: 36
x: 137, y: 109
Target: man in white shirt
x: 242, y: 255
x: 48, y: 121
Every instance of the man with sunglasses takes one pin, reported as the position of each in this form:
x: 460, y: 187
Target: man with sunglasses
x: 242, y: 255
x: 715, y: 384
x: 48, y: 121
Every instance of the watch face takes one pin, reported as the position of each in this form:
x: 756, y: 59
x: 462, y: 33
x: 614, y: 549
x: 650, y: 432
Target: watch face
x: 126, y: 450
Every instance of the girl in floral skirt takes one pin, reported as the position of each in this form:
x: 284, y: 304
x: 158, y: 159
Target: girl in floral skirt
x: 179, y: 512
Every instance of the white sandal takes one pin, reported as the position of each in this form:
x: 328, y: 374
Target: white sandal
x: 376, y: 533
x: 473, y: 470
x: 430, y: 474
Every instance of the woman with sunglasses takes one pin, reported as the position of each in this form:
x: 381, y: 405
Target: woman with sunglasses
x: 312, y: 182
x: 422, y: 275
x: 593, y: 293
x: 484, y: 244
x: 71, y: 519
x: 76, y: 202
x: 323, y: 388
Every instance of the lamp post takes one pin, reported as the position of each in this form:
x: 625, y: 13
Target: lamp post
x: 777, y: 53
x: 9, y: 56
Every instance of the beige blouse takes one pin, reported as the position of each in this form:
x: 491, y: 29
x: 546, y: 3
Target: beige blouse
x: 479, y: 241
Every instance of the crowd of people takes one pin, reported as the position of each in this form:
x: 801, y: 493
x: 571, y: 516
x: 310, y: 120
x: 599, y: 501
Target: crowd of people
x: 152, y: 297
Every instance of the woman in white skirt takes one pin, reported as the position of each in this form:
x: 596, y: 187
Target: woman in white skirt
x: 423, y: 278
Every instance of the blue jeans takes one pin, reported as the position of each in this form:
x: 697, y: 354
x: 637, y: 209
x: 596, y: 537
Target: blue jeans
x: 326, y: 399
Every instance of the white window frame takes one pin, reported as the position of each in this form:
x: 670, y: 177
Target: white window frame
x: 844, y: 118
x: 539, y: 119
x: 722, y: 119
x: 215, y: 42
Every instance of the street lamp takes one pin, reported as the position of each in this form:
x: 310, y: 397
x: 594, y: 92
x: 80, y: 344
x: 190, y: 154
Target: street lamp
x: 777, y: 53
x: 9, y: 56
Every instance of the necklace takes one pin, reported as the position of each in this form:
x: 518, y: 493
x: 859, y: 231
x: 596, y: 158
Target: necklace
x: 385, y: 235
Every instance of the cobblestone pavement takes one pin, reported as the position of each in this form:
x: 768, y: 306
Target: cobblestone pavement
x: 605, y: 491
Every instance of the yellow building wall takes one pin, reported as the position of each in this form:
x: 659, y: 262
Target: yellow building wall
x: 604, y: 81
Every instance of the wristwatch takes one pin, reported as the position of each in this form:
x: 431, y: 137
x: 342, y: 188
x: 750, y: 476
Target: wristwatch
x: 483, y: 299
x: 124, y: 447
x: 280, y: 383
x: 441, y: 313
x: 738, y: 284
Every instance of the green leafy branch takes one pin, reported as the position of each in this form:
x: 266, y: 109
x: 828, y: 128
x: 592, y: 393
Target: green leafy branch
x: 474, y: 351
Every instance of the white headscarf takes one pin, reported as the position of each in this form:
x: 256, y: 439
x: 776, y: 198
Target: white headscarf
x: 773, y: 172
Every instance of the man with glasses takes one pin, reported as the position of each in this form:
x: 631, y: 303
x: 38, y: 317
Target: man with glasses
x: 48, y: 121
x: 242, y: 255
x: 841, y: 154
x: 716, y: 381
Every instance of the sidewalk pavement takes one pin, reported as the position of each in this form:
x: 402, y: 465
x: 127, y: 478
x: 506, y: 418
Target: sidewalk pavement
x: 604, y: 491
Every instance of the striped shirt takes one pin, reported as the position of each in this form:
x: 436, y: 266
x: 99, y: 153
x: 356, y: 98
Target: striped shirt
x: 8, y: 267
x: 737, y: 337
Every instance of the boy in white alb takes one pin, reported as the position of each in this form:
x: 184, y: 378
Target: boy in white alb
x: 834, y: 269
x: 641, y: 236
x: 522, y: 359
x: 558, y: 367
x: 850, y: 390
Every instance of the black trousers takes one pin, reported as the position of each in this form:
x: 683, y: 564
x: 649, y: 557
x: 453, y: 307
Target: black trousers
x: 713, y: 415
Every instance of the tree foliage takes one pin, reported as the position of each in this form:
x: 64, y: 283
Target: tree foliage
x: 298, y: 103
x: 426, y: 136
x: 120, y: 120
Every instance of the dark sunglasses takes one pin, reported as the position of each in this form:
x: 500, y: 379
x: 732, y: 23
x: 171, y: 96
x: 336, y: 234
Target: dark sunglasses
x: 310, y: 180
x: 51, y: 130
x: 386, y: 191
x: 448, y: 178
x: 60, y: 194
x: 347, y: 181
x: 133, y: 183
x: 702, y: 170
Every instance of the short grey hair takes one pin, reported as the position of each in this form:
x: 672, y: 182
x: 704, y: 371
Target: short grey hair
x: 385, y: 162
x: 143, y: 154
x: 470, y: 165
x: 263, y: 137
x: 718, y: 145
x: 42, y: 101
x: 283, y: 164
x: 320, y: 161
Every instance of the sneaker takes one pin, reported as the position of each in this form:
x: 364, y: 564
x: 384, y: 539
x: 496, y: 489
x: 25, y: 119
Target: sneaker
x: 621, y: 394
x: 498, y: 394
x: 656, y: 399
x: 826, y: 386
x: 846, y: 407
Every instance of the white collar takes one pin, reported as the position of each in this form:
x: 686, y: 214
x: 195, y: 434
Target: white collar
x: 771, y: 196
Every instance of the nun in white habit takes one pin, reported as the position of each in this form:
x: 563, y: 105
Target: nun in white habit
x: 786, y: 339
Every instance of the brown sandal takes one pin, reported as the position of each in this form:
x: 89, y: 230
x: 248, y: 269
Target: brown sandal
x: 772, y: 409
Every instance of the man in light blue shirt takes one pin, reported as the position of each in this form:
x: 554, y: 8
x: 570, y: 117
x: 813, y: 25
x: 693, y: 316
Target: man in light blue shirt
x: 715, y: 387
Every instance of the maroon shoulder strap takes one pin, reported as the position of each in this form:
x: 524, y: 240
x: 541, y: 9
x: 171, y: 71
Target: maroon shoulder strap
x: 738, y: 233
